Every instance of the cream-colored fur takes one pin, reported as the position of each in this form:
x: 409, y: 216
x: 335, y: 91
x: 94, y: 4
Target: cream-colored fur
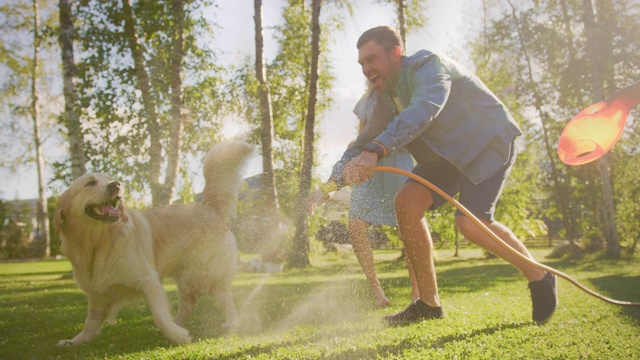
x: 118, y: 254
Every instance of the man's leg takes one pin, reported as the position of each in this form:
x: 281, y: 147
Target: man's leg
x: 474, y: 233
x: 411, y: 202
x: 364, y: 253
x: 480, y: 199
x: 543, y: 287
x: 412, y: 278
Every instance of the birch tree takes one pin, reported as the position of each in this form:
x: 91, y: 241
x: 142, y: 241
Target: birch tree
x: 71, y: 116
x: 42, y: 231
x: 600, y: 57
x: 270, y: 193
x: 28, y: 101
x: 299, y: 256
x: 142, y: 120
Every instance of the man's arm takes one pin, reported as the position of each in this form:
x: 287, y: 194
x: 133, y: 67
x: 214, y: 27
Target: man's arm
x: 431, y: 84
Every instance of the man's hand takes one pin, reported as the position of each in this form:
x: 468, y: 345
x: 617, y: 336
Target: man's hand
x: 316, y: 198
x: 360, y: 169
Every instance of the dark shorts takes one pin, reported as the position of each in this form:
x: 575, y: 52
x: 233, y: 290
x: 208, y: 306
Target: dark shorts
x: 480, y: 199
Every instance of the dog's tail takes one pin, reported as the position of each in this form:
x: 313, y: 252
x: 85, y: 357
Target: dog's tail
x: 223, y: 169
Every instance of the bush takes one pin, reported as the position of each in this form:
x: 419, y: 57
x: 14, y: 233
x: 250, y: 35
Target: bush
x: 15, y: 230
x: 335, y: 232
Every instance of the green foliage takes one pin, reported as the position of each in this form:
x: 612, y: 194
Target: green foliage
x: 326, y: 312
x: 16, y: 228
x: 517, y: 207
x: 534, y: 57
x: 114, y: 122
x: 627, y: 185
x: 288, y: 81
x: 186, y: 194
x: 442, y: 222
x: 16, y: 66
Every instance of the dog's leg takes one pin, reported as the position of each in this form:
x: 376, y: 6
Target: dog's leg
x: 96, y: 313
x: 187, y: 304
x: 159, y: 305
x: 225, y: 299
x: 112, y: 311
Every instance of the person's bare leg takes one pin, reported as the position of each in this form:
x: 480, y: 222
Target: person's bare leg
x: 364, y: 253
x: 543, y: 286
x: 411, y: 202
x: 474, y: 233
x: 412, y: 278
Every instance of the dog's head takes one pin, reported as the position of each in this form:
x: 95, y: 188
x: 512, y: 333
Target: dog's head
x: 92, y: 195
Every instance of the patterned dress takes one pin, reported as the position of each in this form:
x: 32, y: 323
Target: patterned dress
x: 372, y: 201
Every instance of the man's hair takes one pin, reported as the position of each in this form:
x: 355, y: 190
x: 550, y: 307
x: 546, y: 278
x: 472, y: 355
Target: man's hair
x: 385, y: 36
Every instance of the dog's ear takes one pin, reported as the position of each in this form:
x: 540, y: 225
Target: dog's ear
x: 58, y: 215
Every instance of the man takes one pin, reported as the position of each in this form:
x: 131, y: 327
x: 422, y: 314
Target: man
x: 462, y: 138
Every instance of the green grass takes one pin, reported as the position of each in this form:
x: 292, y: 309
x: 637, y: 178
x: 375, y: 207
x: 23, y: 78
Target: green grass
x: 326, y: 312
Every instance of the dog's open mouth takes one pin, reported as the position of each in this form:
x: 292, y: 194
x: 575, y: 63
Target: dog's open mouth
x: 106, y: 212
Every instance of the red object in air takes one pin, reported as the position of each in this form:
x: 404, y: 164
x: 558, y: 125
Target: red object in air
x: 594, y: 130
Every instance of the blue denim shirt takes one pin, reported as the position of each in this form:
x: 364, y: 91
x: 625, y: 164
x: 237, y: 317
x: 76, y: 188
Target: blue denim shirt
x: 450, y: 109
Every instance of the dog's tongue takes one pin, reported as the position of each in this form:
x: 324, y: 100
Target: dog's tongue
x: 107, y: 209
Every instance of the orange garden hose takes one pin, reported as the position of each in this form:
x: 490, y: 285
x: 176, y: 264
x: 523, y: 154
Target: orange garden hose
x: 497, y: 239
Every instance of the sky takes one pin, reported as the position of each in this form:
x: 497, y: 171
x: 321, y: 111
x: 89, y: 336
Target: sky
x: 446, y: 21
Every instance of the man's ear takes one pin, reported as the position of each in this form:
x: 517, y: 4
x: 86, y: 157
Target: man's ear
x: 397, y: 52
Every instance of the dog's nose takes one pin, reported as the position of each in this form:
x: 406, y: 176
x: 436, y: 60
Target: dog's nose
x: 114, y: 187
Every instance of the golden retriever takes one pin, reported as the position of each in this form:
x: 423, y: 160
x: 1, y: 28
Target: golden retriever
x: 118, y: 254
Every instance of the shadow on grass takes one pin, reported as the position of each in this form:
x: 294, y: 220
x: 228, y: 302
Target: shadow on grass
x: 255, y: 351
x: 443, y: 341
x: 48, y: 317
x: 471, y: 278
x: 623, y: 288
x: 391, y: 351
x: 62, y: 274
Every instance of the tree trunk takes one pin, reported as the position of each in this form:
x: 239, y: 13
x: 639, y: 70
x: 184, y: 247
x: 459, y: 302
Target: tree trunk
x: 148, y: 102
x: 597, y: 58
x: 41, y: 206
x: 167, y: 191
x: 270, y: 193
x: 71, y: 119
x: 299, y: 256
x: 269, y: 197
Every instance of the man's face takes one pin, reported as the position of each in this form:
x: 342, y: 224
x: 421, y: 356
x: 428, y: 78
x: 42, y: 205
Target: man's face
x: 377, y: 64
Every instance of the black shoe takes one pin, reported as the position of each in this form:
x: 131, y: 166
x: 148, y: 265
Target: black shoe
x: 544, y: 297
x: 415, y: 312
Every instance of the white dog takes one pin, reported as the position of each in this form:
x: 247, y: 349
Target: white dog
x: 118, y: 254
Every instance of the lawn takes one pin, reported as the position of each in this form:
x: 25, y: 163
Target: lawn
x: 326, y: 312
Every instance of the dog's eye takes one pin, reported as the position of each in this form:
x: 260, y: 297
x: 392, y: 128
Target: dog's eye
x: 91, y: 183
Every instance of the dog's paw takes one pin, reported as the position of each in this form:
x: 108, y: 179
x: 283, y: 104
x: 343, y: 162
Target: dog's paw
x: 180, y: 336
x: 67, y: 343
